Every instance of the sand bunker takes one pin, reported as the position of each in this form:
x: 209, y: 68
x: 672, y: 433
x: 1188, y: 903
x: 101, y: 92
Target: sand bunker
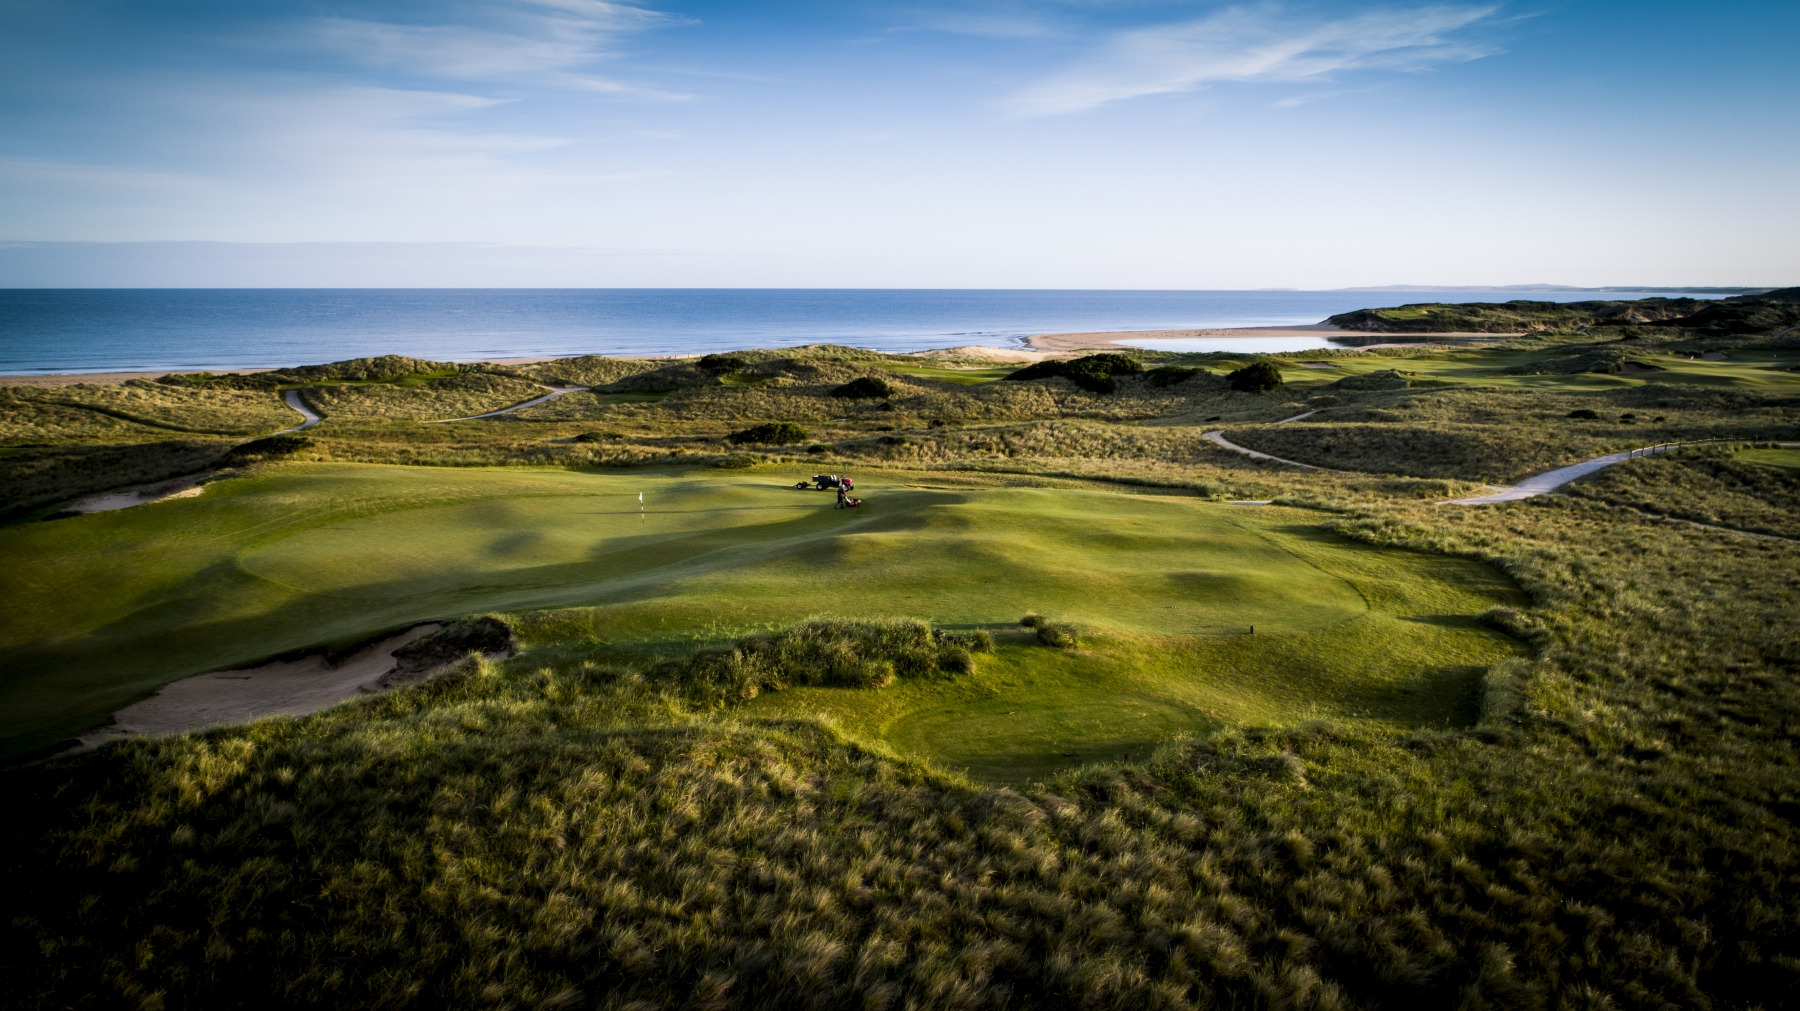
x: 186, y: 486
x: 291, y: 687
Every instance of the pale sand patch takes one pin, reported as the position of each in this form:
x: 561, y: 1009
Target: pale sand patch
x: 290, y: 687
x: 979, y: 353
x: 1109, y: 340
x: 113, y: 378
x: 186, y: 486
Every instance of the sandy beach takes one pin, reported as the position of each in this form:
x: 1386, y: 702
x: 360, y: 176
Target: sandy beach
x: 1113, y: 340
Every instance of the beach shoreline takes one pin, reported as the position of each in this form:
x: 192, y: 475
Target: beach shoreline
x: 1033, y: 348
x: 1114, y: 340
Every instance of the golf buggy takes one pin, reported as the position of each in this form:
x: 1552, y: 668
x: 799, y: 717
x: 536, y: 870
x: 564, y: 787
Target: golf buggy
x: 825, y: 482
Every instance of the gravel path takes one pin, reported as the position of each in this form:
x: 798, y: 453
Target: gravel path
x: 1218, y: 437
x: 293, y: 400
x: 555, y: 391
x: 1551, y: 480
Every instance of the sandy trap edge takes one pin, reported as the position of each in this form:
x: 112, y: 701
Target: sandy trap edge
x: 282, y: 687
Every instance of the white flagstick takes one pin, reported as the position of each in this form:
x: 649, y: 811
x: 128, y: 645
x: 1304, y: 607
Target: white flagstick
x: 641, y: 518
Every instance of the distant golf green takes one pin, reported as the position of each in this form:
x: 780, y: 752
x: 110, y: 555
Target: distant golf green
x: 103, y: 608
x: 1787, y: 459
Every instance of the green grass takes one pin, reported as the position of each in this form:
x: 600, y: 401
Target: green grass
x: 110, y: 605
x: 1408, y: 653
x: 1786, y: 459
x: 961, y: 377
x: 1490, y: 367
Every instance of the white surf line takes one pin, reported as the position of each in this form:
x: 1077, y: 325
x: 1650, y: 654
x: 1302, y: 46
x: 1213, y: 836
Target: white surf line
x: 1296, y: 417
x: 293, y: 400
x: 1551, y: 480
x: 1218, y: 438
x: 555, y: 391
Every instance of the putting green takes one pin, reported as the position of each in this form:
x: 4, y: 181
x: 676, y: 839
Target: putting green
x: 1787, y: 459
x: 108, y: 606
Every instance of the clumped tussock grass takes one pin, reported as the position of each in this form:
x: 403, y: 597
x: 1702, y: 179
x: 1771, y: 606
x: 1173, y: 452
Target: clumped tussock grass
x: 1707, y: 485
x: 1617, y: 837
x: 29, y: 414
x: 588, y: 370
x: 836, y: 653
x: 458, y: 396
x: 1618, y: 830
x: 1058, y: 634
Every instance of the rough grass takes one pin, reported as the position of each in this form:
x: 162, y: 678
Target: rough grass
x: 457, y: 396
x: 1616, y: 829
x: 1718, y: 486
x: 138, y: 409
x: 548, y: 834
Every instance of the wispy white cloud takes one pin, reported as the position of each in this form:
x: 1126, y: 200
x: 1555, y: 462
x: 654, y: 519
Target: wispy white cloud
x: 1256, y: 44
x: 554, y: 43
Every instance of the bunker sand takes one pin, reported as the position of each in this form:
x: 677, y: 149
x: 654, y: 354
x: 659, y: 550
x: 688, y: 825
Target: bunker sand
x: 285, y: 687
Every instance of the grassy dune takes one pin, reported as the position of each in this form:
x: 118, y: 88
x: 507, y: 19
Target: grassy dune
x: 110, y: 605
x: 685, y: 793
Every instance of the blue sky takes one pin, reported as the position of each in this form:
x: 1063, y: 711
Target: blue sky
x: 1071, y: 144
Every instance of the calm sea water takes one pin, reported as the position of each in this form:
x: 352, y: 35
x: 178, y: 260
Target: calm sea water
x: 102, y: 330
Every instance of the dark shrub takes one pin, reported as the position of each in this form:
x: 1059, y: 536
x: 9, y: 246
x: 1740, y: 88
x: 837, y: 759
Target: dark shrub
x: 1257, y: 377
x: 599, y: 437
x: 274, y: 445
x: 893, y: 440
x: 721, y: 364
x: 1093, y: 373
x: 981, y: 641
x: 818, y: 447
x: 1030, y: 621
x: 447, y: 645
x: 1060, y: 635
x: 1584, y: 414
x: 865, y: 388
x: 775, y: 433
x: 1169, y: 375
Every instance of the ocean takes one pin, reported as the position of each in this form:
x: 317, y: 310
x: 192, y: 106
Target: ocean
x: 118, y: 330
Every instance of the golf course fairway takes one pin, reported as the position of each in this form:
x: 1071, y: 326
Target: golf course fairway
x: 105, y: 607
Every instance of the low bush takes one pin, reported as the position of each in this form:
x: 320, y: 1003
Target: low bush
x: 1257, y: 377
x: 1058, y: 634
x: 721, y: 364
x: 1093, y: 373
x: 818, y: 447
x: 865, y: 388
x: 600, y: 437
x: 1169, y: 375
x: 1583, y: 414
x: 1030, y: 621
x: 830, y: 653
x: 778, y: 433
x: 274, y: 445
